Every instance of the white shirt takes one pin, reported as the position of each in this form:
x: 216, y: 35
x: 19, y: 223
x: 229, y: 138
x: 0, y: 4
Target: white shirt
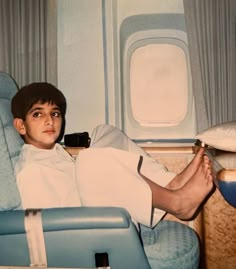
x: 46, y: 178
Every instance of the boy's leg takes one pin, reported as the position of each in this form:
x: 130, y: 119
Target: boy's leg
x: 110, y: 136
x: 109, y: 177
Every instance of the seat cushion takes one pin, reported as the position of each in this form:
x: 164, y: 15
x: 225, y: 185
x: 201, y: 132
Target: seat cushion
x: 171, y: 245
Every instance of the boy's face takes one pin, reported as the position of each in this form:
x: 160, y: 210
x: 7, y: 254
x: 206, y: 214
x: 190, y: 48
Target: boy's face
x: 41, y: 126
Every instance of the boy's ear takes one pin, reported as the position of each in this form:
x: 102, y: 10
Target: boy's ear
x: 19, y: 126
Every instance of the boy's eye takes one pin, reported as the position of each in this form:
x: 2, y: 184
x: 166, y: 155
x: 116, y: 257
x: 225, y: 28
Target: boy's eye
x: 56, y: 114
x: 37, y: 114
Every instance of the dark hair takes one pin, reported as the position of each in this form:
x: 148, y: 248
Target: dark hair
x: 38, y: 92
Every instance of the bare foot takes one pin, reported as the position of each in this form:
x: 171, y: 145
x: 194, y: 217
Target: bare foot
x: 192, y: 194
x: 183, y: 177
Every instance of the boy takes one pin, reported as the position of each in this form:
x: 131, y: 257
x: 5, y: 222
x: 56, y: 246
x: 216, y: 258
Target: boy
x: 114, y: 171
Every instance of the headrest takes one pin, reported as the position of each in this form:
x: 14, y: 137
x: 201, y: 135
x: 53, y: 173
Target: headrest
x: 8, y: 86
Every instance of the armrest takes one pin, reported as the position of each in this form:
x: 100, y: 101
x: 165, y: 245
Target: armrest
x: 56, y: 219
x: 85, y: 218
x: 70, y: 238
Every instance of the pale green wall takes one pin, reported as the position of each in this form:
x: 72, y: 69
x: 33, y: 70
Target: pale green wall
x: 81, y: 60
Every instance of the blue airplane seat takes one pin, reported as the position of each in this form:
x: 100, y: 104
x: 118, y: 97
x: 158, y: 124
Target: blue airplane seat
x: 70, y: 237
x: 85, y: 237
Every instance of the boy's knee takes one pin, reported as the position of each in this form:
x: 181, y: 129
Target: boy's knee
x: 102, y: 126
x: 105, y: 135
x: 104, y: 129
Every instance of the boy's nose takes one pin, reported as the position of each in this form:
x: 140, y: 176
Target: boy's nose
x: 49, y: 120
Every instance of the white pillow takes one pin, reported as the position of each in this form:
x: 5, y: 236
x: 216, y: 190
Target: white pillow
x: 221, y: 136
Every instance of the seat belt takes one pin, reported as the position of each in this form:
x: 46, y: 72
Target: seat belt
x: 35, y: 238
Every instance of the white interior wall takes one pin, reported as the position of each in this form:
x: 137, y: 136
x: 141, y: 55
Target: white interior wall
x: 80, y: 55
x: 80, y: 63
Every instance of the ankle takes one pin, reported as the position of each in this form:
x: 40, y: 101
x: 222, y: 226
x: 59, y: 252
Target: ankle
x: 176, y: 203
x: 175, y: 183
x: 181, y: 200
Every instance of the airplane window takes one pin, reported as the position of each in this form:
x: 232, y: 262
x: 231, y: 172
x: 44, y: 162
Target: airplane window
x: 156, y: 100
x: 158, y: 85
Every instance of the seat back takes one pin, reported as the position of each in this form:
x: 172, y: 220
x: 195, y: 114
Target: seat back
x: 10, y: 144
x: 57, y: 237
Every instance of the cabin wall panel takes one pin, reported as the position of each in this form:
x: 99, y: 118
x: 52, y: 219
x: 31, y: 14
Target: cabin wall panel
x: 80, y: 63
x: 89, y: 56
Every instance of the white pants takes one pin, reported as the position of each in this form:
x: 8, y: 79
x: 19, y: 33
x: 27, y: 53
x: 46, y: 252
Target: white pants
x: 107, y: 175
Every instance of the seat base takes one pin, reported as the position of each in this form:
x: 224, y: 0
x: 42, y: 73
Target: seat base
x: 171, y: 245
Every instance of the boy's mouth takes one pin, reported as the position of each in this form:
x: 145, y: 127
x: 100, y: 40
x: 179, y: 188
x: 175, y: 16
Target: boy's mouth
x: 51, y: 131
